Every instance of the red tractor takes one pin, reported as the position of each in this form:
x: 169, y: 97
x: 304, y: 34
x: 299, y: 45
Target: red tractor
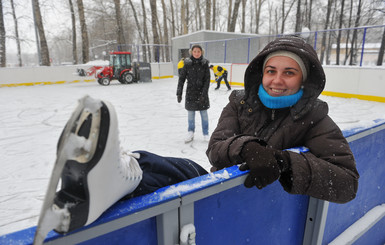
x: 120, y: 68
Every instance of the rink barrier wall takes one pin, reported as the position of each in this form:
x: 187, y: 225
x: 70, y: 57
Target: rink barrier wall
x: 48, y: 75
x: 365, y: 83
x: 218, y: 209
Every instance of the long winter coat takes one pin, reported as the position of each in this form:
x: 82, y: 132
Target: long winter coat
x: 197, y: 73
x: 328, y: 171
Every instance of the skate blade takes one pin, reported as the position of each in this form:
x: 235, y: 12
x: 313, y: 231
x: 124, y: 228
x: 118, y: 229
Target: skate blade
x: 53, y: 218
x: 65, y: 151
x: 186, y: 141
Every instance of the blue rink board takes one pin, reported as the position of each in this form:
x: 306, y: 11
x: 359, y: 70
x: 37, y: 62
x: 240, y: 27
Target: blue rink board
x: 251, y: 216
x: 238, y: 215
x: 369, y: 153
x: 135, y: 205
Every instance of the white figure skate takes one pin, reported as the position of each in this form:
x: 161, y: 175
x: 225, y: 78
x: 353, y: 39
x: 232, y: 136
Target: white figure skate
x: 94, y: 172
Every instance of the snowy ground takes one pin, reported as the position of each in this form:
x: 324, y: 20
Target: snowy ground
x: 149, y: 119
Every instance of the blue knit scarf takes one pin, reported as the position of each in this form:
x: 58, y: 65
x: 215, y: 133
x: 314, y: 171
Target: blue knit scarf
x: 278, y: 102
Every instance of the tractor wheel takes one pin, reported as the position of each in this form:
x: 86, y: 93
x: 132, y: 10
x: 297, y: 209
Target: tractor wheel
x: 105, y: 81
x: 127, y: 77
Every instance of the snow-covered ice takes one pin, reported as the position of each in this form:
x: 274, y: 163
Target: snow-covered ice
x: 150, y: 118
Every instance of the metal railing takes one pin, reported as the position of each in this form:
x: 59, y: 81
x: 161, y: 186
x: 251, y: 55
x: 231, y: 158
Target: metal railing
x: 358, y: 46
x: 152, y: 53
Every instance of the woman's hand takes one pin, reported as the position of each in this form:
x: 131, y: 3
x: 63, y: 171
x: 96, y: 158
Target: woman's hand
x: 265, y: 164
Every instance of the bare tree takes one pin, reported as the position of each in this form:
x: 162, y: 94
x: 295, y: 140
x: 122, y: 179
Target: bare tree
x: 380, y: 58
x: 45, y: 60
x: 17, y: 38
x: 298, y: 21
x: 155, y: 35
x: 208, y: 14
x: 120, y: 31
x: 323, y: 44
x: 159, y: 48
x: 136, y: 21
x: 270, y: 8
x: 187, y: 19
x: 73, y: 22
x: 145, y: 30
x: 3, y: 59
x: 251, y: 14
x: 243, y: 16
x: 348, y: 34
x: 165, y: 31
x: 198, y: 15
x: 285, y: 14
x: 229, y: 12
x: 341, y: 20
x: 83, y: 28
x: 258, y: 5
x: 139, y: 28
x: 183, y: 17
x: 309, y: 8
x: 353, y: 47
x: 214, y: 14
x: 172, y: 19
x: 233, y: 19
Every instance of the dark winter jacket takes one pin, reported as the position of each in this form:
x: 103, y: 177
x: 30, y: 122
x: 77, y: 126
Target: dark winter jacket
x: 197, y: 73
x: 328, y: 171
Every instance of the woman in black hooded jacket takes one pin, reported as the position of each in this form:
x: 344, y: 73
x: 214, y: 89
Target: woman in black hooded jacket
x: 259, y: 123
x: 196, y: 71
x: 278, y: 109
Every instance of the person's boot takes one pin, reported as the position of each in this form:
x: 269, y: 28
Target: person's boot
x: 96, y: 173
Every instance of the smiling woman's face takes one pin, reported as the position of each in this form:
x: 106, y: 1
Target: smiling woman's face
x: 282, y: 76
x: 196, y: 52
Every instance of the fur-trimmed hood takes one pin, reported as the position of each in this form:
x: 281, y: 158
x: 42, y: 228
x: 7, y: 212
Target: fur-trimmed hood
x: 312, y: 86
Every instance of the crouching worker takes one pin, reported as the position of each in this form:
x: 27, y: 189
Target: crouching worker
x: 219, y: 74
x: 279, y: 109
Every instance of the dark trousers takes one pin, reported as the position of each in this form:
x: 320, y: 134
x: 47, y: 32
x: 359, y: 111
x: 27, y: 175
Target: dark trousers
x: 224, y: 76
x: 161, y: 171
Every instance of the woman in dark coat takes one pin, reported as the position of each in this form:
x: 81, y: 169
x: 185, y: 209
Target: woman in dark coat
x: 277, y: 110
x: 196, y: 71
x: 271, y: 115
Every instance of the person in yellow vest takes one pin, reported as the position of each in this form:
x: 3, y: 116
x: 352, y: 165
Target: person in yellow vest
x: 220, y: 73
x: 180, y: 65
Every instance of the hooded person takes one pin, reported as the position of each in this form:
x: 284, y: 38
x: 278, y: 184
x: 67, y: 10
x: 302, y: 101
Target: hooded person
x: 197, y: 73
x: 252, y: 130
x: 279, y: 109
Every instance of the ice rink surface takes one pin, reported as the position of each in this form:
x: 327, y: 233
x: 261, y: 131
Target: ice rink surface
x: 150, y: 118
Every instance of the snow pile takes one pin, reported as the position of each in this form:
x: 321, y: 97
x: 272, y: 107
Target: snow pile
x: 97, y: 63
x: 180, y: 188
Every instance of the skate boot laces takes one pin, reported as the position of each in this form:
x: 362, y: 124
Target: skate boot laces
x: 129, y: 166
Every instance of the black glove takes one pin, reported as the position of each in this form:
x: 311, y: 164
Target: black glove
x: 179, y: 98
x: 265, y: 164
